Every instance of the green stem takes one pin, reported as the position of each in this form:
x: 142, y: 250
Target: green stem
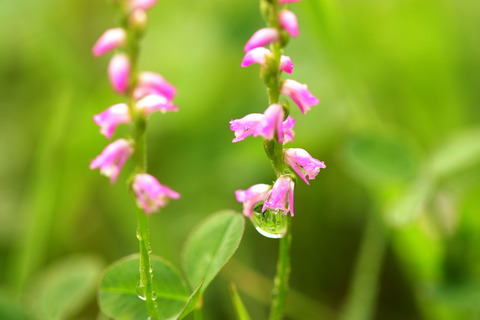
x: 280, y: 288
x: 361, y: 299
x: 139, y: 126
x: 146, y: 271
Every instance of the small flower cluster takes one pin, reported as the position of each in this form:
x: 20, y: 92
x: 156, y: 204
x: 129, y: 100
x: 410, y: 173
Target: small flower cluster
x: 275, y: 125
x: 148, y: 92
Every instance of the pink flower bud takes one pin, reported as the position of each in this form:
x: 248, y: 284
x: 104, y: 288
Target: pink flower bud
x: 150, y: 83
x: 272, y: 123
x: 280, y: 197
x: 303, y: 163
x: 142, y: 4
x: 245, y: 126
x: 288, y: 133
x: 286, y: 64
x: 251, y: 197
x: 261, y: 38
x: 154, y: 102
x: 256, y: 55
x: 112, y: 159
x: 119, y: 72
x: 151, y: 195
x: 289, y: 22
x: 109, y: 40
x: 109, y: 119
x: 260, y: 55
x: 299, y: 93
x: 287, y: 1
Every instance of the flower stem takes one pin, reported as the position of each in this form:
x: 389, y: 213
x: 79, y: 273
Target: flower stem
x: 146, y: 271
x: 139, y: 126
x: 280, y: 288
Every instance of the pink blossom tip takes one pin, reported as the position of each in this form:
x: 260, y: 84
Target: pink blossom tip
x: 112, y: 159
x: 280, y: 197
x: 303, y: 163
x: 109, y: 40
x: 288, y: 21
x: 286, y: 64
x: 299, y: 93
x: 150, y: 194
x: 262, y: 38
x: 119, y: 72
x: 251, y: 197
x: 153, y: 83
x: 287, y: 1
x: 257, y: 55
x: 155, y: 102
x: 109, y: 119
x: 142, y: 4
x: 245, y: 126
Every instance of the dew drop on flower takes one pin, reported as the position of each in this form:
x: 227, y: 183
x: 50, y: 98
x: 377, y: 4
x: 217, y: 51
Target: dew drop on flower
x: 270, y: 223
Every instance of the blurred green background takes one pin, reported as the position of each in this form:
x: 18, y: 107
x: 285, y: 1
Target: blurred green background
x: 390, y: 230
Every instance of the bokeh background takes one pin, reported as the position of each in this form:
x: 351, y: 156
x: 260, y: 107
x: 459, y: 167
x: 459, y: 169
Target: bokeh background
x: 390, y: 230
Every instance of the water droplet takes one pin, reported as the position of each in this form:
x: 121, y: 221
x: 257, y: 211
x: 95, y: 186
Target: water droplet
x: 270, y: 223
x: 141, y: 291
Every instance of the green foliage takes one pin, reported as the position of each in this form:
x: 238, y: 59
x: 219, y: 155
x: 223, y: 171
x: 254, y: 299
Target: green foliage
x: 66, y: 287
x: 118, y: 294
x: 240, y: 310
x: 210, y: 247
x: 207, y: 250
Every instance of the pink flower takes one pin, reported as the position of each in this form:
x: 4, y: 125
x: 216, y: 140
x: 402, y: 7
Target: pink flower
x: 260, y: 55
x: 289, y: 22
x: 264, y: 125
x: 251, y: 197
x: 299, y: 93
x: 119, y: 72
x: 153, y: 83
x: 272, y: 123
x: 151, y: 195
x: 109, y: 119
x: 287, y: 1
x: 256, y: 55
x: 288, y: 133
x: 112, y: 159
x: 109, y: 40
x: 303, y: 163
x: 280, y: 197
x: 154, y: 102
x: 142, y: 4
x: 261, y: 38
x: 286, y: 64
x: 245, y: 126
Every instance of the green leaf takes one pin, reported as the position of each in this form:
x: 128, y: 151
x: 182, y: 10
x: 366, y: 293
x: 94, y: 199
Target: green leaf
x: 118, y: 290
x: 456, y: 153
x: 241, y: 311
x: 211, y: 245
x: 191, y: 304
x: 65, y: 287
x: 378, y: 158
x: 10, y: 310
